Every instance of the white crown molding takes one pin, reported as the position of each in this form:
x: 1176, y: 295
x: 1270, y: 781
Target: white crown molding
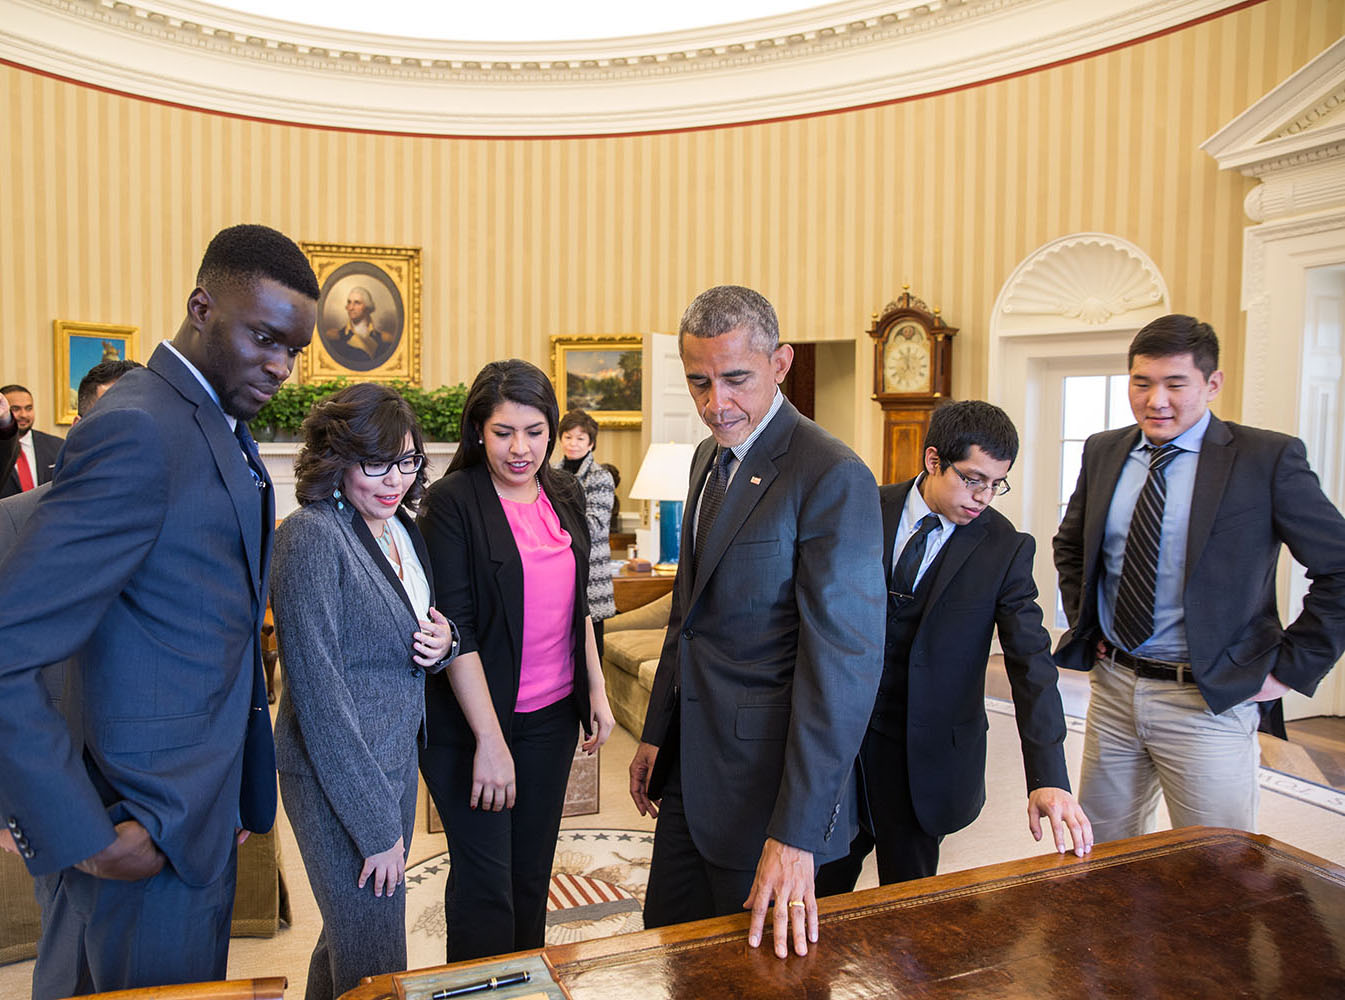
x: 1081, y: 281
x: 831, y: 57
x: 1301, y: 122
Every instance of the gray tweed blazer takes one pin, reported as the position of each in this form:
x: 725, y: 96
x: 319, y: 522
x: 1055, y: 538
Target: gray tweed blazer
x: 353, y: 700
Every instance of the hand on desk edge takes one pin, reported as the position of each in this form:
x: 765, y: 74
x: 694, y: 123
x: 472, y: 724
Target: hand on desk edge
x: 1064, y: 812
x: 785, y: 874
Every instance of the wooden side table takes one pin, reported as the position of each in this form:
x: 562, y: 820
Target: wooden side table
x: 634, y: 590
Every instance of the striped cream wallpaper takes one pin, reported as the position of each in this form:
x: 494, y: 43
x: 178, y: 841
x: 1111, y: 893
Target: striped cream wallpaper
x: 106, y: 203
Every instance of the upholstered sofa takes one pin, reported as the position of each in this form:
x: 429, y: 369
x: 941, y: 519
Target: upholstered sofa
x: 632, y: 642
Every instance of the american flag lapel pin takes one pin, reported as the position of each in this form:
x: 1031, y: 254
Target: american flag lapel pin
x: 756, y: 480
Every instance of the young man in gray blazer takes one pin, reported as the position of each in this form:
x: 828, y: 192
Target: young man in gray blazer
x: 774, y: 643
x: 1167, y: 556
x: 159, y: 522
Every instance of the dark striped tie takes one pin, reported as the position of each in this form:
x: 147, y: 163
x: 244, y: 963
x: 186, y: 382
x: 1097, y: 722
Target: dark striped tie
x: 1133, y: 621
x: 711, y: 500
x: 912, y: 555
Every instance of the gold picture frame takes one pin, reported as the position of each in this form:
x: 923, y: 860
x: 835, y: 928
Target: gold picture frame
x: 602, y: 374
x: 80, y: 346
x: 383, y: 344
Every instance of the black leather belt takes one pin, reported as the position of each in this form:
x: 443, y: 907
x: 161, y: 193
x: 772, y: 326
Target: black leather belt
x: 1154, y: 670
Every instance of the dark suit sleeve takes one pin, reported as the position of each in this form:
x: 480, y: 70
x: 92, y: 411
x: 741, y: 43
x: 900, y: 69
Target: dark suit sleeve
x: 1032, y: 673
x: 841, y: 597
x: 91, y: 533
x: 1068, y: 544
x: 663, y: 693
x: 1313, y: 529
x: 442, y: 527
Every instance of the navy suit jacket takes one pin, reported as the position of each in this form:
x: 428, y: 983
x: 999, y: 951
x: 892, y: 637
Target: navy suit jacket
x: 982, y: 580
x: 1253, y: 491
x: 46, y: 447
x: 159, y: 538
x: 774, y: 648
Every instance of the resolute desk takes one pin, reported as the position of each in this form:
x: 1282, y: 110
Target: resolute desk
x: 1187, y: 913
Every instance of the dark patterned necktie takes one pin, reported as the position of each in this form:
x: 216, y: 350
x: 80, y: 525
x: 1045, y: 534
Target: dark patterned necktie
x: 912, y: 555
x: 712, y: 499
x: 250, y: 453
x: 1133, y: 621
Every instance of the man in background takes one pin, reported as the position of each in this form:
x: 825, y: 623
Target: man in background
x: 158, y: 523
x: 1167, y: 556
x: 774, y: 642
x: 957, y: 571
x: 31, y: 465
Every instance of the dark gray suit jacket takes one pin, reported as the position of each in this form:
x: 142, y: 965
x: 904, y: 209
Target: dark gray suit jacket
x: 160, y: 539
x: 982, y: 580
x: 774, y: 648
x: 46, y: 448
x: 1253, y: 491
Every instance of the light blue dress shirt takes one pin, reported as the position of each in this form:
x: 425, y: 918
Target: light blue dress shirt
x: 1168, y: 641
x: 912, y: 512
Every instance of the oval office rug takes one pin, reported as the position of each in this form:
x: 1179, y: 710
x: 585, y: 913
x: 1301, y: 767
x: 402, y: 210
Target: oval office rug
x: 597, y: 889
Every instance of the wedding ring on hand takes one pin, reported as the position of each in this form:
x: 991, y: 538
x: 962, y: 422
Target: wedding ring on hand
x: 796, y: 902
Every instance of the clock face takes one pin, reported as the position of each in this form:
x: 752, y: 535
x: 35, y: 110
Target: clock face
x: 906, y: 360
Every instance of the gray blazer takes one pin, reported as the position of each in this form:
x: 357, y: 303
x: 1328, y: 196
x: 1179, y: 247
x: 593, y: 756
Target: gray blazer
x: 774, y: 648
x: 353, y: 699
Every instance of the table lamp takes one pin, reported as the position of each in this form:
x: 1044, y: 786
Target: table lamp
x: 663, y: 477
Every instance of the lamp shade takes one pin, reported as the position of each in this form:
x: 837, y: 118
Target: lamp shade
x: 664, y: 472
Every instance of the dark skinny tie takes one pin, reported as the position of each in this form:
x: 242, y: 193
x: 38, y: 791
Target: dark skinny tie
x: 1133, y: 621
x: 712, y: 499
x: 908, y: 565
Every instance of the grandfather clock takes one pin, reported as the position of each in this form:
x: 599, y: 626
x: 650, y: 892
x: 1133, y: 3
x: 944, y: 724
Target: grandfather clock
x: 912, y: 374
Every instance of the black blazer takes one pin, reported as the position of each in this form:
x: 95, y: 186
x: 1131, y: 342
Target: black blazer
x: 45, y: 449
x: 1253, y: 490
x: 479, y: 583
x: 982, y: 580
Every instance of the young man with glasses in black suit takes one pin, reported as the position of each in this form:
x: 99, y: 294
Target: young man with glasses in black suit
x: 956, y: 570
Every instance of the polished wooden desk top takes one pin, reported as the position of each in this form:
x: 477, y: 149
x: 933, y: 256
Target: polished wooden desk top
x: 1191, y: 913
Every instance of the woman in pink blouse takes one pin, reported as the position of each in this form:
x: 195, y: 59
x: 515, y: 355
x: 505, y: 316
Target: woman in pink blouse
x: 508, y: 542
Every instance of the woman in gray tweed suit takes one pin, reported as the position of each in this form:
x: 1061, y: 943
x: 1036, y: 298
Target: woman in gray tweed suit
x: 578, y: 441
x: 351, y: 589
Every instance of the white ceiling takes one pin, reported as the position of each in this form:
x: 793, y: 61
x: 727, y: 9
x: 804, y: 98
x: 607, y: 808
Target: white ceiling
x: 517, y: 20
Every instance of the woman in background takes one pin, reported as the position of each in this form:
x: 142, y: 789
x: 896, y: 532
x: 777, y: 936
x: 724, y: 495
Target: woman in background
x: 578, y: 439
x: 351, y: 590
x: 509, y: 543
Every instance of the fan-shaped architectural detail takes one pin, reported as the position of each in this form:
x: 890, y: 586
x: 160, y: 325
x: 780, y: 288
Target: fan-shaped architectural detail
x: 1090, y: 277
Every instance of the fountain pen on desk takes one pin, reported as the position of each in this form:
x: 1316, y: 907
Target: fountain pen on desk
x: 493, y: 983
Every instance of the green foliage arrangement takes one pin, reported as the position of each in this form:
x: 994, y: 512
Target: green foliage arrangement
x: 438, y: 410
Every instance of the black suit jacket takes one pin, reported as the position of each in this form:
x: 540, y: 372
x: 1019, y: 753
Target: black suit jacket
x: 774, y: 648
x: 982, y: 580
x: 1253, y: 491
x: 45, y: 449
x: 478, y: 577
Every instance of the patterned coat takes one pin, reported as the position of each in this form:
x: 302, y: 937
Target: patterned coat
x: 599, y: 492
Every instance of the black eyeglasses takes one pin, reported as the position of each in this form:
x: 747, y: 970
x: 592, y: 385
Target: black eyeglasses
x: 408, y: 465
x: 976, y: 487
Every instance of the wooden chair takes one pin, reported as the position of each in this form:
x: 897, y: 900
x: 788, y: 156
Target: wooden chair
x: 268, y: 988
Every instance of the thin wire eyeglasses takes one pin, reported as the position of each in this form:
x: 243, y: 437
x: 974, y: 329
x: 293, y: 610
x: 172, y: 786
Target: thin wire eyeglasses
x: 976, y: 487
x: 407, y: 465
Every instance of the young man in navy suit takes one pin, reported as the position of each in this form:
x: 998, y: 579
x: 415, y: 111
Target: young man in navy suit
x: 957, y: 570
x: 1167, y: 557
x: 158, y: 522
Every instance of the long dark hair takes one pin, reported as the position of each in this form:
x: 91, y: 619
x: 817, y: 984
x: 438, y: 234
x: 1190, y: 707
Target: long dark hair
x: 362, y: 422
x: 511, y: 381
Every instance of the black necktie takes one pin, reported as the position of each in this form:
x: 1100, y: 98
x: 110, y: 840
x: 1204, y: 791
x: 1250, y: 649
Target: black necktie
x: 1133, y: 621
x: 908, y: 565
x: 712, y: 499
x: 250, y: 453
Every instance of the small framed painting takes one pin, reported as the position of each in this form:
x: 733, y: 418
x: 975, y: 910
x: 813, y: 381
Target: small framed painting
x: 80, y: 346
x: 601, y: 374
